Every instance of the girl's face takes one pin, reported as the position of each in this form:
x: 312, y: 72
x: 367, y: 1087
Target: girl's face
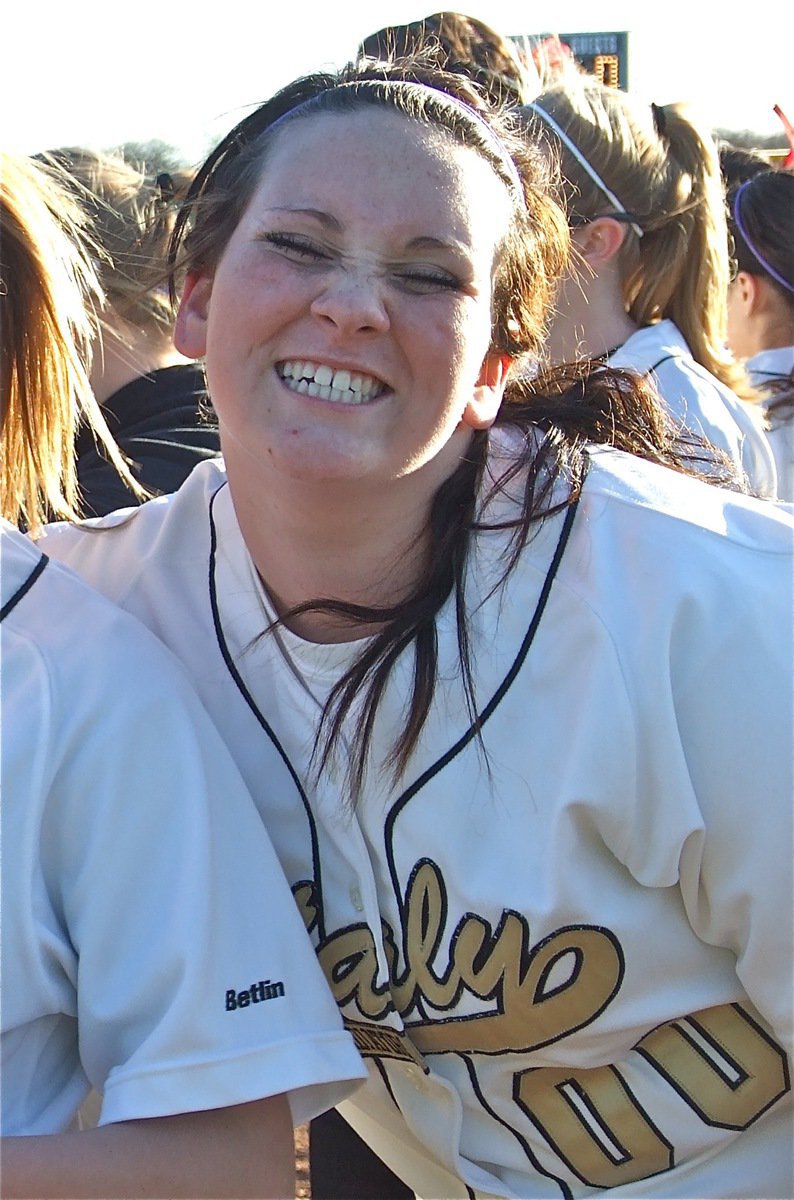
x: 347, y: 325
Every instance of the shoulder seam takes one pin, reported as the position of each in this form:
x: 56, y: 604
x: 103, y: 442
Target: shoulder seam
x: 24, y: 588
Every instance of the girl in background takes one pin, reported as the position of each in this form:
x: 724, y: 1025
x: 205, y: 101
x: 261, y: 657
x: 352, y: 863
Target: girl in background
x: 647, y: 286
x: 761, y: 304
x: 153, y: 400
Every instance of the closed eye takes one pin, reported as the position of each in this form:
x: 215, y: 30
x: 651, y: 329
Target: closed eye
x: 421, y: 280
x: 296, y: 246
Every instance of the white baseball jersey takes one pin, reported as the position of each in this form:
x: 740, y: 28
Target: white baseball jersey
x: 566, y: 950
x: 764, y: 369
x: 701, y: 402
x: 150, y: 945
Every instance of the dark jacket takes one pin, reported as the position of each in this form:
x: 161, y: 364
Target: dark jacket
x: 159, y: 421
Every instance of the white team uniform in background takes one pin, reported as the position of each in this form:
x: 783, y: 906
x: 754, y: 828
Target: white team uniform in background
x: 141, y: 898
x: 701, y: 402
x: 567, y: 959
x: 764, y: 369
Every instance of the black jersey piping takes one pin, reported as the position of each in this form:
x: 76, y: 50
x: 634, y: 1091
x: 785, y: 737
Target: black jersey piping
x: 487, y: 712
x: 662, y: 361
x: 24, y: 588
x: 244, y: 692
x: 506, y: 683
x: 378, y: 1063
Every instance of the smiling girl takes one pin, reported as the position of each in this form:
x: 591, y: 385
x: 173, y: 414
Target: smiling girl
x: 525, y: 769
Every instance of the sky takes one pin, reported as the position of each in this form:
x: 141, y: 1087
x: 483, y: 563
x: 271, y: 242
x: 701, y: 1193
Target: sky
x: 93, y: 73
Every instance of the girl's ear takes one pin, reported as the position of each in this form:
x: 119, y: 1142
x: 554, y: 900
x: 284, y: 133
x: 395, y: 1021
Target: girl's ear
x: 599, y: 241
x: 190, y: 327
x: 481, y: 411
x: 748, y: 291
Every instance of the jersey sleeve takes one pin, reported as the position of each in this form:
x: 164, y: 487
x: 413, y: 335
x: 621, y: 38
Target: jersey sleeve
x: 734, y: 706
x: 197, y: 986
x: 709, y: 671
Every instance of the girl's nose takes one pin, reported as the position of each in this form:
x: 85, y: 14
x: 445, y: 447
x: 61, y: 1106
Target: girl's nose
x: 353, y: 301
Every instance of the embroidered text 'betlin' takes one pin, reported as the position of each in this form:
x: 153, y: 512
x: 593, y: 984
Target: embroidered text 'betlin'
x: 255, y: 994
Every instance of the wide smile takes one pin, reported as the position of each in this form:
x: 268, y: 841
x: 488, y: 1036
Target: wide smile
x: 340, y: 386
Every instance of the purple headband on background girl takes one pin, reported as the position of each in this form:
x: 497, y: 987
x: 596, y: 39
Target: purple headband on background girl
x: 756, y: 253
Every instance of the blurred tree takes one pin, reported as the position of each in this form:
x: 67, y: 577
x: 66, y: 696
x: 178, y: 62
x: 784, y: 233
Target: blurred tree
x: 756, y: 141
x: 155, y: 155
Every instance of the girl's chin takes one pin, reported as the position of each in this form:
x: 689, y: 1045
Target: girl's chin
x: 298, y: 457
x: 312, y: 467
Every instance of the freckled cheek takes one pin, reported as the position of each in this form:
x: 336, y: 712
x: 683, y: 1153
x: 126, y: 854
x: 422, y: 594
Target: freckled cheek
x: 470, y: 337
x: 440, y: 338
x: 260, y: 294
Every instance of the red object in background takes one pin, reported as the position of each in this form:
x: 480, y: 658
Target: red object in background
x: 551, y: 58
x: 789, y: 128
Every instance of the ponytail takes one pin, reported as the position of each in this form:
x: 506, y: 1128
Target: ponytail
x: 665, y: 172
x: 682, y: 264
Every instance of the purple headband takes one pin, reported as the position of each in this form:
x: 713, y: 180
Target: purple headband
x: 757, y: 255
x: 491, y: 137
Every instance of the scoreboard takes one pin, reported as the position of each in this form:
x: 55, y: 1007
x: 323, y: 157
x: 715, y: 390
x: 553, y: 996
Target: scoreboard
x: 605, y: 55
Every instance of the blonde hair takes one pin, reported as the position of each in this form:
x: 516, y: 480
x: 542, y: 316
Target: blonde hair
x: 132, y: 213
x: 49, y: 302
x: 664, y: 170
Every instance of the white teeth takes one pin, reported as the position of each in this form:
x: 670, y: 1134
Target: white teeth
x: 323, y: 382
